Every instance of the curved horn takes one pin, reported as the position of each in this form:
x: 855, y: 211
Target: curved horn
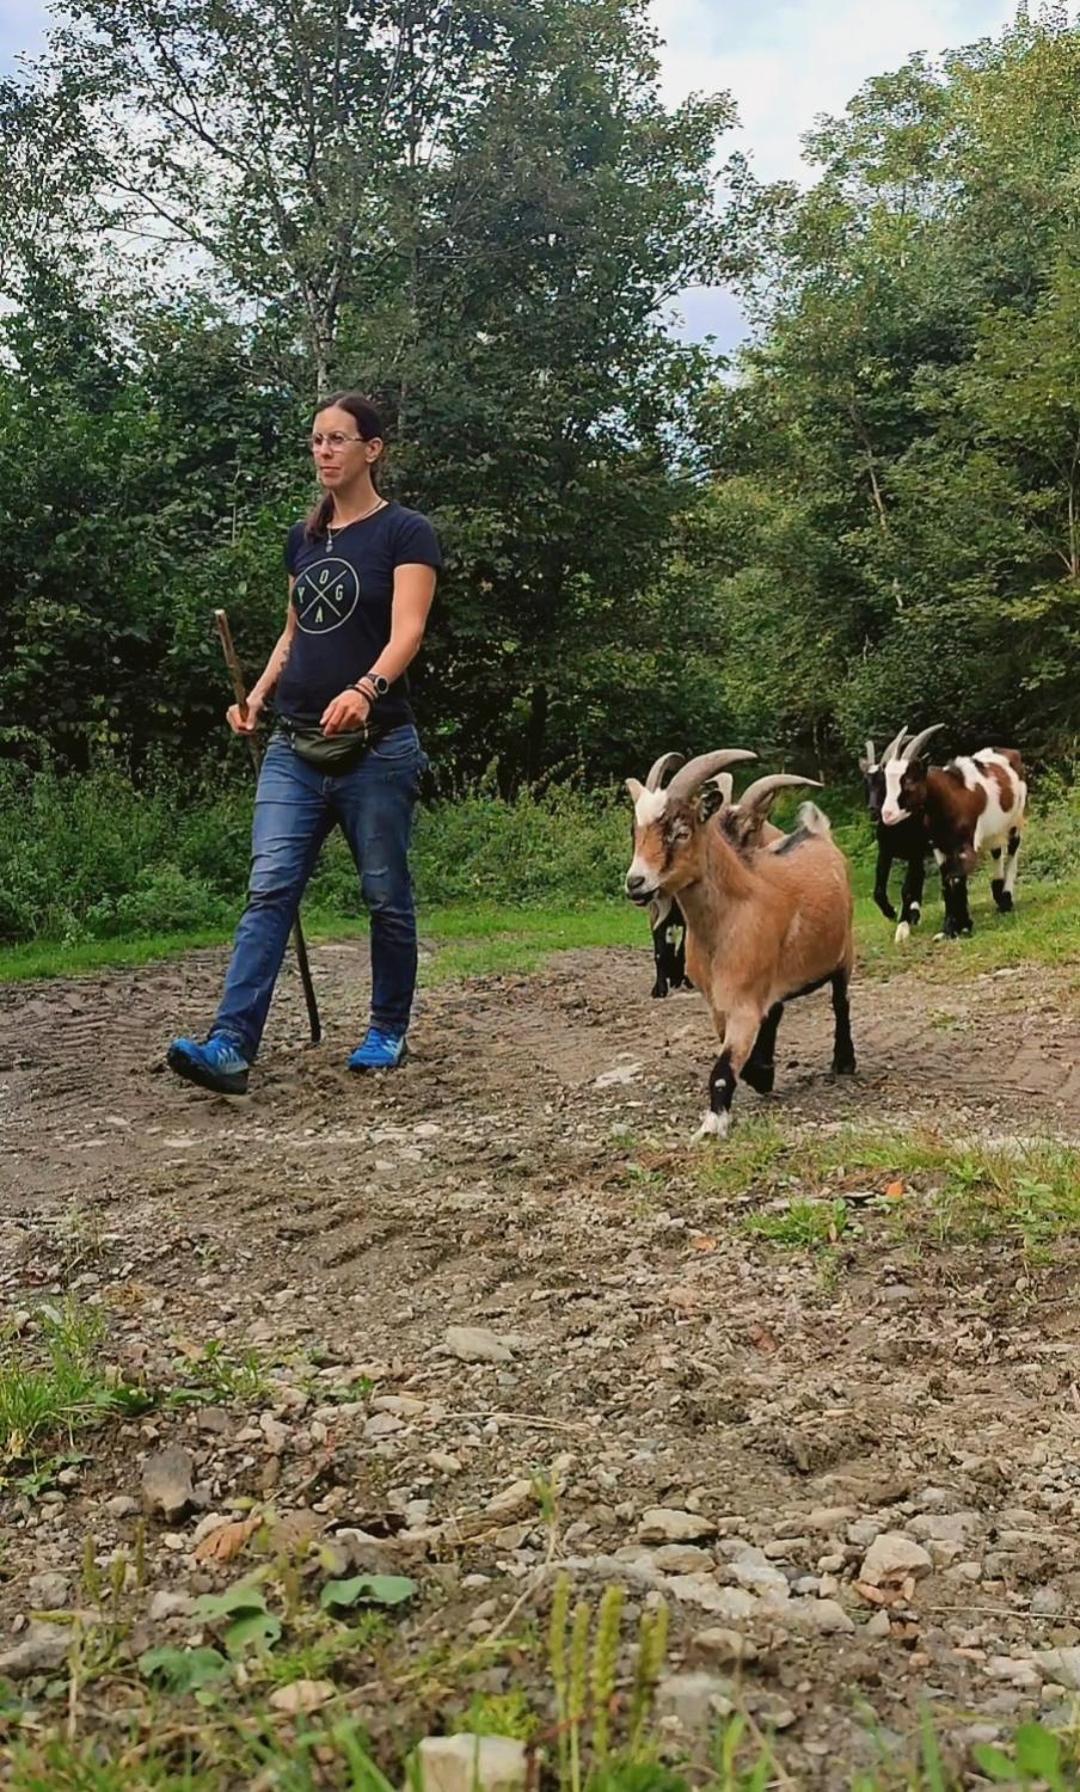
x: 871, y: 756
x: 762, y: 790
x: 726, y: 786
x: 914, y: 747
x: 667, y: 762
x: 706, y: 765
x: 892, y: 751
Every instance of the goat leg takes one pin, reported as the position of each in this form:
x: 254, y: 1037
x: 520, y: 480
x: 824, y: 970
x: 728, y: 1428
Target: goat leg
x: 911, y: 895
x: 736, y: 1046
x: 843, y: 1047
x: 881, y: 881
x: 760, y: 1067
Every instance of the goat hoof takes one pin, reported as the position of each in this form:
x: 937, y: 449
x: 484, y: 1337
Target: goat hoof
x: 714, y: 1126
x: 902, y: 934
x: 843, y: 1067
x: 658, y: 994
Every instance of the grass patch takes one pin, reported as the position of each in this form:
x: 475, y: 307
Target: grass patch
x: 1027, y: 1190
x: 65, y: 1390
x: 805, y: 1225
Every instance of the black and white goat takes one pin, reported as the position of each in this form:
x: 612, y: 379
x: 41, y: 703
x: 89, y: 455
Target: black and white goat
x: 976, y: 803
x: 906, y: 840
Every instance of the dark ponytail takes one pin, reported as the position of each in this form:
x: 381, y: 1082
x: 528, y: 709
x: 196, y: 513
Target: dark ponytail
x: 368, y: 427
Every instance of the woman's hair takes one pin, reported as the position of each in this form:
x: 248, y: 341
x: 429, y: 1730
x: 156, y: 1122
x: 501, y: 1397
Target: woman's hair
x: 368, y: 425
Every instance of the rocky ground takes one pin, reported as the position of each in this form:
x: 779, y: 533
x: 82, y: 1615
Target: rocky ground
x: 492, y: 1317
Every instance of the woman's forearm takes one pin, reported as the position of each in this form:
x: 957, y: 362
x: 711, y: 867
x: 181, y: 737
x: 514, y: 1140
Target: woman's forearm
x: 275, y: 666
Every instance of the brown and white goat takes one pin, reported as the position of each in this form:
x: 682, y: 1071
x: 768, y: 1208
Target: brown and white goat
x: 974, y: 804
x: 764, y: 923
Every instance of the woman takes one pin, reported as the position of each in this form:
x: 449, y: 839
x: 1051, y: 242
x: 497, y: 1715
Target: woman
x: 362, y: 575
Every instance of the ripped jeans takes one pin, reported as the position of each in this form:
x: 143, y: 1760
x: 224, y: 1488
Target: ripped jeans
x: 296, y: 807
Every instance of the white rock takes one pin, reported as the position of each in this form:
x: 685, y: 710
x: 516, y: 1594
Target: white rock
x: 302, y: 1695
x: 41, y: 1649
x: 702, y: 1590
x: 694, y: 1701
x: 443, y: 1463
x: 382, y: 1424
x: 165, y: 1605
x: 122, y: 1505
x: 761, y: 1576
x: 821, y: 1617
x: 940, y: 1527
x: 878, y: 1625
x: 275, y: 1433
x: 893, y: 1557
x: 1018, y: 1673
x: 664, y: 1524
x: 470, y: 1764
x: 49, y: 1592
x: 1061, y: 1665
x: 471, y: 1344
x: 725, y: 1645
x: 514, y: 1500
x: 680, y: 1558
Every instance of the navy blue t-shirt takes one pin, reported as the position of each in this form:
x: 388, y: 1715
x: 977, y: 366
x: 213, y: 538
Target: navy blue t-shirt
x: 342, y: 597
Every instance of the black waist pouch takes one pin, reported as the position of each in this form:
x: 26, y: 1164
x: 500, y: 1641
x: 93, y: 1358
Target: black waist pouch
x: 331, y: 754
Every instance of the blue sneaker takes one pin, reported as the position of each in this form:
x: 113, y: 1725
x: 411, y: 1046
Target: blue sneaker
x: 216, y: 1065
x: 379, y: 1050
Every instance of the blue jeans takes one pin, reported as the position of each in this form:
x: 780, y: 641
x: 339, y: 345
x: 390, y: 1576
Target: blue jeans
x: 296, y: 807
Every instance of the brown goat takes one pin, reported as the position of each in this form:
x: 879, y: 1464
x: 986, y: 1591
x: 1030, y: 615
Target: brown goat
x: 765, y: 923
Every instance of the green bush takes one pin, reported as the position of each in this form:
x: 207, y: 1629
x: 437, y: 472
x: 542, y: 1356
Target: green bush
x: 104, y: 856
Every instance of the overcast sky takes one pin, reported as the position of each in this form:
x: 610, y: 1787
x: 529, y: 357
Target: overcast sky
x: 784, y: 63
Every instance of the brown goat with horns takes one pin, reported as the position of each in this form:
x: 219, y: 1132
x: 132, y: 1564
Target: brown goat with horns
x: 764, y: 922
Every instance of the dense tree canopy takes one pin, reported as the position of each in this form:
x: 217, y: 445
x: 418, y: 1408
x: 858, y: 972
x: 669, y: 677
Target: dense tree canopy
x: 212, y: 210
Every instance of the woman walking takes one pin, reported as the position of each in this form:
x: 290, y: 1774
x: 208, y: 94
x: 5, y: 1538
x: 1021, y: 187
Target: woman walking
x: 362, y: 574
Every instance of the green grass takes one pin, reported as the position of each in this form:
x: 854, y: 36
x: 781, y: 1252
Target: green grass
x: 805, y: 1225
x: 1027, y: 1190
x: 57, y: 1384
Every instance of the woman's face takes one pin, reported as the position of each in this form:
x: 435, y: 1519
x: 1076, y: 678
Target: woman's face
x: 337, y: 448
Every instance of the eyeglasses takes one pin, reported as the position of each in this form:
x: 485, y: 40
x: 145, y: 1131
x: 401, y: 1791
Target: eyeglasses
x: 334, y: 440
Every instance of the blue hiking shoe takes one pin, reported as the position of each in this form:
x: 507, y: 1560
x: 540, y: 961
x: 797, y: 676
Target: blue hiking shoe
x: 379, y: 1050
x: 216, y: 1065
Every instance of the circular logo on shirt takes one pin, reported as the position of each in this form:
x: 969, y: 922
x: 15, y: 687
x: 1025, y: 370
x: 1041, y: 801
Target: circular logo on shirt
x: 325, y: 596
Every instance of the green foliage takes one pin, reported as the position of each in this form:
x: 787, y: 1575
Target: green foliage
x: 183, y: 1670
x: 806, y: 1225
x: 54, y: 1382
x: 894, y: 532
x: 367, y: 1589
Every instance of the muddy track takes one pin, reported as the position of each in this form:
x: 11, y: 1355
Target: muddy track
x: 487, y: 1184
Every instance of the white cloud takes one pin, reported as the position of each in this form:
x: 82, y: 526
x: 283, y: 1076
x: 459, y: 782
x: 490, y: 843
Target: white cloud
x: 784, y: 63
x: 787, y: 61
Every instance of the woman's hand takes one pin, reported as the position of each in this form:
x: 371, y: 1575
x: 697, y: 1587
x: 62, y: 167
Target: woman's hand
x: 249, y: 721
x: 350, y: 710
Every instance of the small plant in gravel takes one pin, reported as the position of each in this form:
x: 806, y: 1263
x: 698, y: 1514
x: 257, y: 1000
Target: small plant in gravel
x: 804, y: 1225
x: 55, y: 1382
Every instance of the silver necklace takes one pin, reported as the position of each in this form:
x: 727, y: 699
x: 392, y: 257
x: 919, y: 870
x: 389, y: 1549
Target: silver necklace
x: 380, y: 504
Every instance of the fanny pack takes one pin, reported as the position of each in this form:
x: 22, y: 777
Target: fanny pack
x: 329, y: 753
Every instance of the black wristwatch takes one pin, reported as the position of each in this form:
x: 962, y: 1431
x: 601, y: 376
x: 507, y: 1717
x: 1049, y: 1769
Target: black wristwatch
x: 378, y: 683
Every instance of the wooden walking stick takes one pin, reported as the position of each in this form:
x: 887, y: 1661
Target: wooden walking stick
x: 237, y: 675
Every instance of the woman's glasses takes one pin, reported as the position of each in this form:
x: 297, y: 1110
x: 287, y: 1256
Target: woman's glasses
x: 334, y: 439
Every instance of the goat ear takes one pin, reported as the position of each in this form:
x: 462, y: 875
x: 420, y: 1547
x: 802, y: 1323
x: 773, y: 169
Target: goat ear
x: 636, y: 790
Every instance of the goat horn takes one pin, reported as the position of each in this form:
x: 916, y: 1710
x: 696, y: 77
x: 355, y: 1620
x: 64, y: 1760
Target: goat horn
x: 667, y: 762
x: 893, y: 749
x: 762, y: 791
x: 690, y: 779
x: 913, y: 748
x: 726, y: 785
x: 871, y: 756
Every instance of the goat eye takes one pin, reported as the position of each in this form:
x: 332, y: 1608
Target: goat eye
x: 679, y: 833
